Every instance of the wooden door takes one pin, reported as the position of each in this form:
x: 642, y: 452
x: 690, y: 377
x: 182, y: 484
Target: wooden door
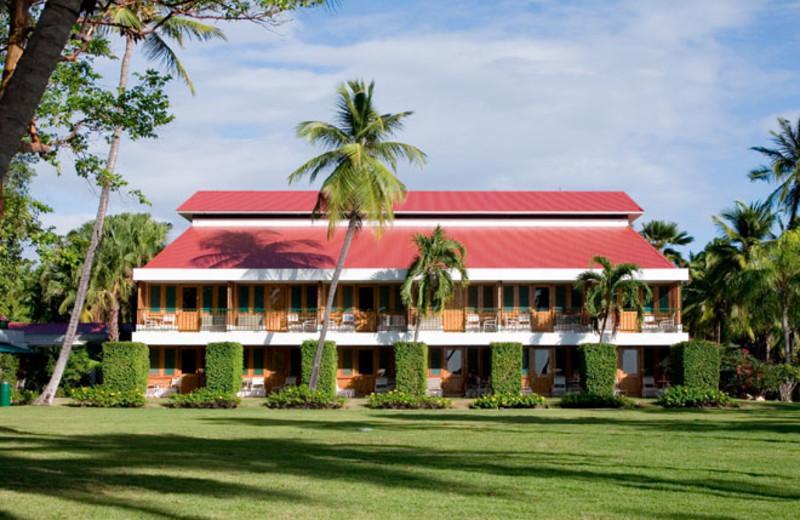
x: 629, y: 369
x: 541, y: 370
x: 189, y: 317
x: 453, y: 381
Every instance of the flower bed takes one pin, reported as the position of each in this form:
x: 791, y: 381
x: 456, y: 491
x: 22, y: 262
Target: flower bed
x: 395, y: 400
x: 204, y: 398
x: 690, y: 397
x: 496, y: 401
x: 594, y: 400
x: 303, y: 397
x: 103, y: 397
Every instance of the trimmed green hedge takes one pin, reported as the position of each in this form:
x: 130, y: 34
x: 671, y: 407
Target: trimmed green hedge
x: 103, y: 397
x: 693, y: 397
x: 327, y: 365
x: 497, y: 401
x: 126, y: 366
x: 9, y: 366
x: 598, y: 367
x: 506, y: 368
x: 411, y: 368
x: 224, y: 367
x: 204, y: 398
x: 395, y: 400
x: 695, y: 364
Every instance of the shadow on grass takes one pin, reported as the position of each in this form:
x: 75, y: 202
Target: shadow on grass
x: 103, y: 470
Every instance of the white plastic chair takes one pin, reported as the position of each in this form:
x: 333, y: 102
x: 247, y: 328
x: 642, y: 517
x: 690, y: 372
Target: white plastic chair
x: 490, y: 323
x: 257, y: 387
x: 473, y: 323
x: 435, y: 387
x: 524, y: 321
x: 381, y: 385
x: 559, y: 386
x: 245, y: 391
x: 348, y: 321
x: 649, y: 387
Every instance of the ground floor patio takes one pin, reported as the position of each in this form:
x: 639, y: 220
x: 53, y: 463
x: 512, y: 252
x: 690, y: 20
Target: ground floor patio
x: 457, y: 370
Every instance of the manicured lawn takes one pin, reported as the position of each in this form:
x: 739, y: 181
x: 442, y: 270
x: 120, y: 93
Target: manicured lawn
x: 254, y: 463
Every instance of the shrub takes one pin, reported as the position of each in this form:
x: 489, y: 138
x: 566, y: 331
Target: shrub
x: 126, y: 366
x: 510, y: 401
x: 506, y: 368
x: 303, y: 397
x: 204, y: 398
x: 224, y: 367
x: 593, y: 400
x: 83, y: 361
x: 23, y: 397
x: 692, y: 397
x: 327, y: 365
x: 598, y: 368
x: 396, y: 400
x: 411, y: 368
x: 9, y: 366
x: 696, y: 364
x: 781, y: 379
x: 104, y: 397
x: 743, y: 374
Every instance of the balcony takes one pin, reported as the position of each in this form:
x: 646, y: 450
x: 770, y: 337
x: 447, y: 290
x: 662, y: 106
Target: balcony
x: 361, y: 321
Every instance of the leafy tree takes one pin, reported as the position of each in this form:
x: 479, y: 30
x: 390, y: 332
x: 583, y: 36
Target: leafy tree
x: 361, y: 184
x: 784, y: 168
x: 610, y: 291
x: 429, y: 286
x: 662, y: 235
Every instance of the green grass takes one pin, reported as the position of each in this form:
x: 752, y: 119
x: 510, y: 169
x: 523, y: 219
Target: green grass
x: 255, y: 463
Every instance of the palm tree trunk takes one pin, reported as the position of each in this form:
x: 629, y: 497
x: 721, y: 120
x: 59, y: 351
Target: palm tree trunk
x: 113, y: 321
x: 416, y: 328
x: 27, y: 85
x: 787, y: 350
x: 603, y: 326
x: 46, y: 399
x: 351, y: 229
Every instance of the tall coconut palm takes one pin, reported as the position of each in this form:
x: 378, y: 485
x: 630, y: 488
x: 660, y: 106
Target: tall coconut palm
x: 746, y: 225
x: 361, y: 183
x: 429, y: 284
x: 610, y: 291
x: 662, y: 235
x: 784, y: 168
x: 143, y: 25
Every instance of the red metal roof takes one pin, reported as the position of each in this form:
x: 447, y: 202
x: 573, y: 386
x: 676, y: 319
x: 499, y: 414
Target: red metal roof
x: 57, y: 328
x: 422, y: 202
x: 487, y: 247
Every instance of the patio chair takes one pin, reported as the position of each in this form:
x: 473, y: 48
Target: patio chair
x: 524, y: 322
x: 559, y: 386
x: 310, y: 324
x: 473, y: 323
x: 245, y: 390
x: 153, y: 391
x: 289, y: 381
x: 348, y: 321
x: 484, y: 387
x: 345, y: 392
x: 649, y: 323
x: 169, y: 321
x: 649, y: 387
x: 490, y: 324
x: 381, y: 385
x: 257, y: 387
x: 618, y: 392
x: 435, y: 387
x: 293, y: 322
x: 526, y: 390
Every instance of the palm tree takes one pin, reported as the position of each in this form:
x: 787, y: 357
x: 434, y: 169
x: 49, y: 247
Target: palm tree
x: 784, y: 168
x: 142, y: 25
x: 361, y: 184
x: 746, y: 225
x: 430, y: 274
x: 610, y: 291
x: 662, y: 234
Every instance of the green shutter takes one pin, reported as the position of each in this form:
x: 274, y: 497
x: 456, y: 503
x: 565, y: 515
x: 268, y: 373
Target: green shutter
x: 524, y: 298
x: 208, y: 298
x: 347, y: 298
x: 663, y: 298
x: 508, y: 298
x: 169, y: 361
x: 398, y: 299
x: 648, y: 303
x: 155, y: 298
x: 347, y: 362
x: 222, y: 298
x: 436, y: 361
x: 258, y: 298
x: 577, y: 297
x: 245, y: 351
x: 258, y: 361
x: 297, y: 298
x: 526, y: 361
x: 311, y: 298
x: 383, y: 298
x: 244, y: 298
x: 561, y: 297
x: 154, y: 361
x: 472, y: 298
x: 170, y: 297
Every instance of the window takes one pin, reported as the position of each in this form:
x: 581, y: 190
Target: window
x: 258, y: 361
x: 472, y: 297
x: 208, y: 298
x: 489, y: 297
x: 347, y: 298
x: 524, y: 298
x: 366, y: 360
x: 542, y: 298
x: 663, y: 298
x: 508, y: 298
x: 169, y: 361
x: 383, y: 297
x: 347, y: 362
x: 366, y: 298
x: 244, y: 298
x: 526, y: 361
x: 170, y: 298
x: 454, y: 358
x: 630, y: 361
x: 155, y: 298
x: 297, y: 298
x: 541, y: 361
x: 436, y: 361
x: 222, y: 297
x: 189, y: 295
x: 275, y: 297
x: 398, y: 299
x: 576, y: 299
x: 648, y: 302
x: 311, y: 298
x: 258, y: 298
x: 561, y: 297
x: 155, y: 354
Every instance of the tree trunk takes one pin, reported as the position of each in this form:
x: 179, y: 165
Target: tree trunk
x: 351, y: 228
x: 18, y: 22
x: 46, y: 399
x: 787, y: 348
x: 603, y: 326
x: 416, y: 328
x: 27, y: 85
x: 112, y: 326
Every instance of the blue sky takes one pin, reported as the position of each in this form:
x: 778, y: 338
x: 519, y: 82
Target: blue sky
x: 660, y: 99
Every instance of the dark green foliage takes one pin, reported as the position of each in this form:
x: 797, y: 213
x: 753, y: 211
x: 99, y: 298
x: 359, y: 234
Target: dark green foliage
x: 82, y: 362
x: 496, y: 401
x: 224, y: 367
x: 104, y: 397
x: 303, y: 397
x: 327, y: 365
x: 23, y: 397
x: 411, y: 368
x: 693, y: 397
x: 598, y: 367
x: 592, y: 400
x: 395, y: 400
x: 9, y: 366
x: 206, y: 397
x: 126, y: 366
x: 696, y: 364
x: 506, y: 368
